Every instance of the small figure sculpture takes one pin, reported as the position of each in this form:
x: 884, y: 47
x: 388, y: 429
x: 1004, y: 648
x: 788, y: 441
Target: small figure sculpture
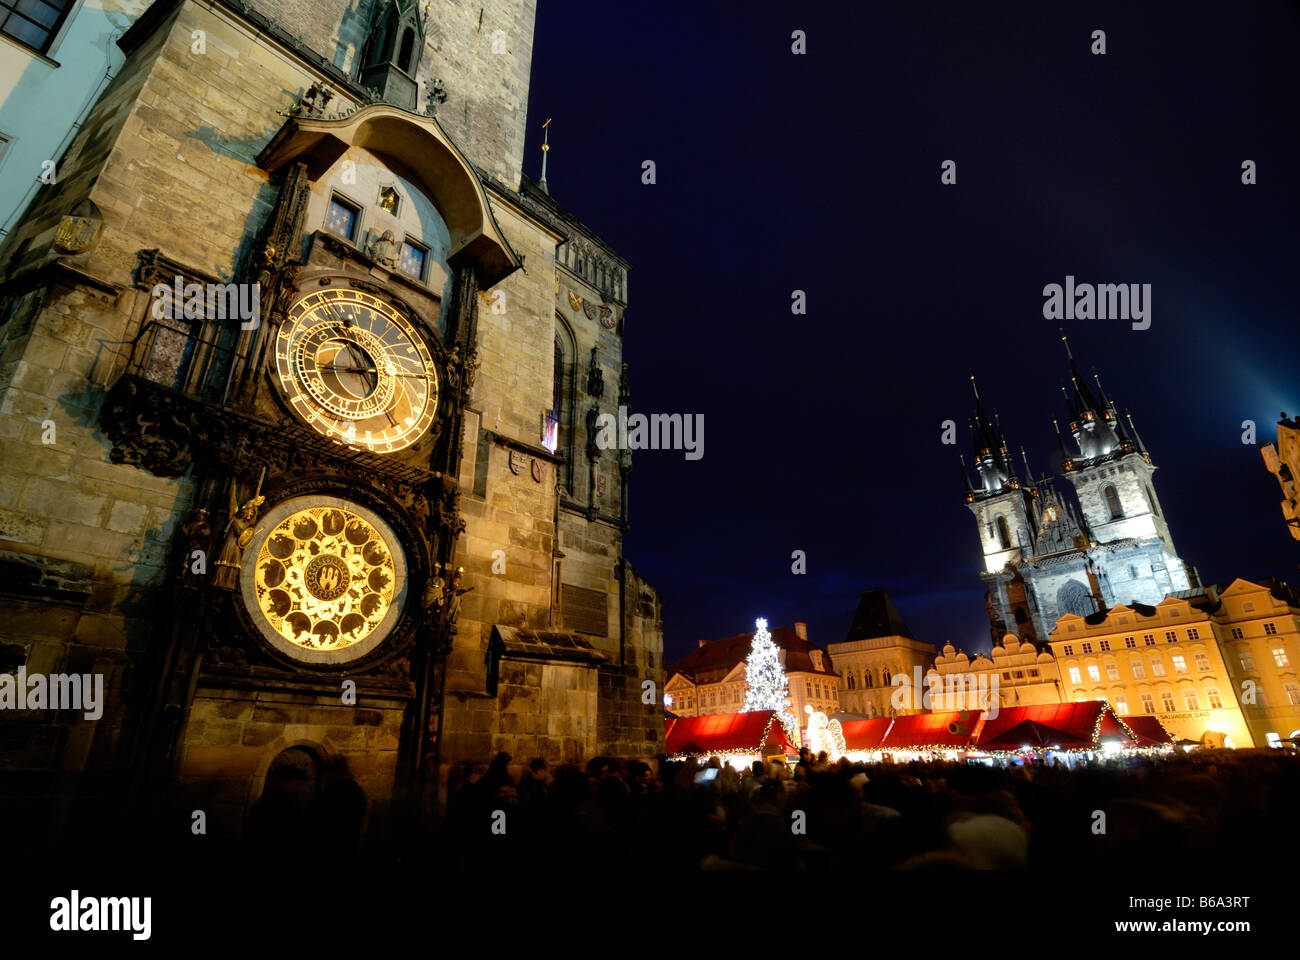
x: 433, y: 595
x: 239, y: 534
x: 454, y: 592
x: 384, y: 250
x: 196, y: 533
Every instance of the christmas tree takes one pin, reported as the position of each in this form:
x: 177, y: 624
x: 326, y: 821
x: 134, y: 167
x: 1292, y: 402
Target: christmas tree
x: 766, y: 684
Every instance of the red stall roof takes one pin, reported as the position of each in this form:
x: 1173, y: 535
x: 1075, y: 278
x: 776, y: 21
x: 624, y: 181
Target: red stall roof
x: 1081, y: 724
x: 948, y: 729
x: 1149, y: 730
x: 864, y: 734
x: 719, y: 733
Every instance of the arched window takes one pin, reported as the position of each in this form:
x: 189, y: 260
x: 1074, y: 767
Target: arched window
x: 407, y: 49
x: 1004, y: 535
x: 1112, y: 502
x: 851, y: 680
x: 884, y: 677
x: 561, y: 408
x: 866, y: 678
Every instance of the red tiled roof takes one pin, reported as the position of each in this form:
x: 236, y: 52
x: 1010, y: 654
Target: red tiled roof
x: 1073, y: 721
x: 946, y: 729
x: 717, y: 658
x: 726, y: 733
x: 864, y: 734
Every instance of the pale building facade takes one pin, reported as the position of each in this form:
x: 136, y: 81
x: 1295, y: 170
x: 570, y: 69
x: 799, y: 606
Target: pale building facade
x: 878, y: 648
x: 1025, y: 675
x: 1258, y: 626
x: 1283, y: 461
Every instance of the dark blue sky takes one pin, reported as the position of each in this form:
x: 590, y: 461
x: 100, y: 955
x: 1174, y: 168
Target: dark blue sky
x: 821, y: 172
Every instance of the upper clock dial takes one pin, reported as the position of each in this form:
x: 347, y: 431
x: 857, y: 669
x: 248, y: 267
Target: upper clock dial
x: 356, y: 370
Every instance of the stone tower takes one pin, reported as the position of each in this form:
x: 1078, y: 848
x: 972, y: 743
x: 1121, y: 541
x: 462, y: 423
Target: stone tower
x: 294, y: 453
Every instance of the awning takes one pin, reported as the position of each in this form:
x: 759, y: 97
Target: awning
x: 727, y: 733
x: 948, y: 730
x: 864, y: 734
x: 1150, y: 731
x: 1076, y: 726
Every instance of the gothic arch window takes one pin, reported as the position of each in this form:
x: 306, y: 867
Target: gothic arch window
x: 407, y: 49
x: 866, y: 678
x: 851, y: 680
x: 562, y: 400
x: 1004, y: 535
x: 884, y: 677
x: 1074, y: 598
x: 1112, y: 502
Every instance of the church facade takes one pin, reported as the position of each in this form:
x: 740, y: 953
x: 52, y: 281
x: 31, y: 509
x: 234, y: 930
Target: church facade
x: 298, y: 372
x: 1043, y: 556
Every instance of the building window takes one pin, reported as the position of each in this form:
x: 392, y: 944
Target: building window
x: 1006, y: 674
x: 1068, y: 649
x: 1121, y: 706
x: 1212, y: 695
x: 1202, y: 662
x: 1167, y: 702
x: 1130, y: 642
x: 1074, y: 675
x: 850, y: 679
x: 1139, y: 671
x: 1171, y: 636
x: 1247, y: 661
x: 1270, y: 628
x: 1237, y: 633
x: 1149, y: 639
x: 1293, y: 694
x: 413, y: 259
x: 884, y: 676
x: 866, y: 677
x: 1148, y: 705
x: 1157, y: 667
x: 807, y: 689
x: 1105, y: 646
x: 1112, y: 671
x: 1033, y: 672
x: 1020, y: 674
x: 1180, y: 663
x: 1193, y: 633
x: 1004, y: 537
x: 1280, y: 657
x: 1112, y: 502
x: 1094, y: 674
x: 32, y: 22
x: 1189, y: 698
x: 342, y: 218
x: 1087, y: 648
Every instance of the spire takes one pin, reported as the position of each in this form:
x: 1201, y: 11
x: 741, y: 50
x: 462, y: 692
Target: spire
x: 970, y: 491
x: 1066, y: 460
x: 1137, y: 437
x: 1083, y: 401
x: 1029, y: 474
x: 546, y: 148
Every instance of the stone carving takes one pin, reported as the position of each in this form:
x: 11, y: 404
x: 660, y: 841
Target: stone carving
x: 148, y: 430
x: 196, y: 534
x: 436, y: 97
x: 384, y: 250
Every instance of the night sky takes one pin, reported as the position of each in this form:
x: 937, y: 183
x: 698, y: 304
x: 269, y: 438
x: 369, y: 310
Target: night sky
x: 821, y: 172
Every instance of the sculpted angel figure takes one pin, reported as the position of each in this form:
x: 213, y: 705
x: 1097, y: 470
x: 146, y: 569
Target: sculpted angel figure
x: 239, y: 533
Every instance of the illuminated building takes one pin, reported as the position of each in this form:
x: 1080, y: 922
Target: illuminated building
x: 1042, y: 558
x: 877, y: 648
x: 711, y: 678
x: 1283, y: 461
x: 1025, y: 674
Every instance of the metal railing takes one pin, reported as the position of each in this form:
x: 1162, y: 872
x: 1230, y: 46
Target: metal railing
x: 192, y: 358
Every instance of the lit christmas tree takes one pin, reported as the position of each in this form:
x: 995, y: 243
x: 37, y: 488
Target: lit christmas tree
x: 766, y: 684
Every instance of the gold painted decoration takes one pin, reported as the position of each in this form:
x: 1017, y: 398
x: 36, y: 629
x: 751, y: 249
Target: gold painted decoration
x: 356, y: 370
x: 325, y: 578
x: 575, y: 301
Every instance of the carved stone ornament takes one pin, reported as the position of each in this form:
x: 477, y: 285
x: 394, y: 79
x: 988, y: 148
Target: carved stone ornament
x: 149, y: 429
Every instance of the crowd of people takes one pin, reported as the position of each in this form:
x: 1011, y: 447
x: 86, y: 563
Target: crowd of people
x: 1198, y: 811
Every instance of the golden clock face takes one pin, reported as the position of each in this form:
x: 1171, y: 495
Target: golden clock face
x: 326, y: 577
x: 356, y: 370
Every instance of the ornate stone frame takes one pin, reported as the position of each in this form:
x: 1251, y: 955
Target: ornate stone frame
x: 292, y: 651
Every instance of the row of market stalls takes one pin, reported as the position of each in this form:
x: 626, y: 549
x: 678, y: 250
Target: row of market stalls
x: 1068, y: 731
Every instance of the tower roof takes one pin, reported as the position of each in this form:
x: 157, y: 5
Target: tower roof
x: 876, y: 616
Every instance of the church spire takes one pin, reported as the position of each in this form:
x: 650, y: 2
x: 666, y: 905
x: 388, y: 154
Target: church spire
x: 546, y: 149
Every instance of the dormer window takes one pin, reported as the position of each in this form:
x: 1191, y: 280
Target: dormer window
x: 413, y: 259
